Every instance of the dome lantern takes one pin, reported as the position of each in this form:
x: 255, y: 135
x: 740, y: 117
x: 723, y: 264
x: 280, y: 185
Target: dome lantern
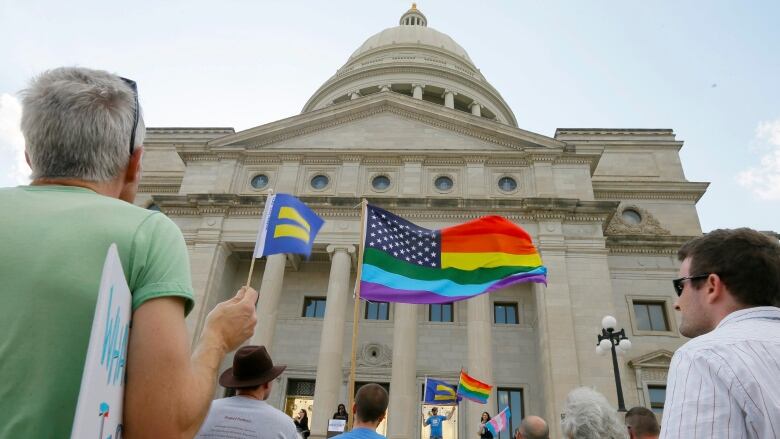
x: 413, y: 17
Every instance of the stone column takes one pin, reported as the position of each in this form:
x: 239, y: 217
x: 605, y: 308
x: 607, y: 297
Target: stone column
x: 330, y: 360
x: 559, y: 368
x: 479, y: 332
x: 404, y: 394
x: 476, y: 108
x: 385, y: 87
x: 417, y: 91
x: 268, y: 304
x: 449, y: 98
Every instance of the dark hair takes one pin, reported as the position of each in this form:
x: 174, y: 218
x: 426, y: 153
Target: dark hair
x: 341, y: 406
x: 305, y: 415
x: 371, y: 401
x: 747, y: 261
x: 484, y: 413
x: 642, y: 421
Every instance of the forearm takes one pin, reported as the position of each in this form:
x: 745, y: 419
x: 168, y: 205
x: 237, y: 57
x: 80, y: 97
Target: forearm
x: 204, y: 366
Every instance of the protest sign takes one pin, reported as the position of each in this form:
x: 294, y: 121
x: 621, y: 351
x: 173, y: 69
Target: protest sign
x: 99, y: 407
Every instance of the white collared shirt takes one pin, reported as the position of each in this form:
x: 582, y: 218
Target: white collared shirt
x: 726, y: 383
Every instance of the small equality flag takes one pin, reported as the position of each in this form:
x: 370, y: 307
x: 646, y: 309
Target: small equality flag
x: 439, y: 392
x: 406, y: 263
x: 472, y: 389
x: 499, y: 422
x: 287, y: 226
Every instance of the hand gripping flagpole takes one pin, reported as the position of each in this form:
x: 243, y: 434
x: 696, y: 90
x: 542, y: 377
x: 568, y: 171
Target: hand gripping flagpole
x: 263, y: 228
x: 356, y: 314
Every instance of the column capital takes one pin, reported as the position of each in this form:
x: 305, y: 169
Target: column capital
x: 385, y: 87
x: 418, y: 84
x: 450, y: 91
x: 333, y: 248
x: 475, y: 104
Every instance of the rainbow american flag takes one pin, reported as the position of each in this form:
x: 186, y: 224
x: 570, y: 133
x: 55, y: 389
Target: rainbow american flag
x: 406, y: 263
x: 473, y: 389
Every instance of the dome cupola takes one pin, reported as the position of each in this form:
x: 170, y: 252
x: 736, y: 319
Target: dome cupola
x: 418, y: 61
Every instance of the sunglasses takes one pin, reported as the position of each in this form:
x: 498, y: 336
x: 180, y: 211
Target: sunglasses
x: 133, y: 86
x: 678, y: 283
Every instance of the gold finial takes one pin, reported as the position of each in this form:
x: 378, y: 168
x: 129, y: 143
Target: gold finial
x: 414, y: 6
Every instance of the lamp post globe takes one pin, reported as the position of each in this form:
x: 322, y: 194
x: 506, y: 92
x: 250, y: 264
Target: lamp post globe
x: 612, y: 340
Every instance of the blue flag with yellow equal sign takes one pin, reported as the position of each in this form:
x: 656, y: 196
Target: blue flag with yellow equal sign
x: 439, y: 392
x: 287, y: 226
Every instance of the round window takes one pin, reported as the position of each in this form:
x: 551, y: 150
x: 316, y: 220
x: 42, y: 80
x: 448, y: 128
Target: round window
x: 443, y: 183
x: 380, y: 182
x: 631, y: 216
x: 320, y: 181
x: 507, y: 184
x: 259, y: 181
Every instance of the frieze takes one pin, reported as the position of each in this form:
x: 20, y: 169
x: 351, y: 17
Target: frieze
x: 158, y: 188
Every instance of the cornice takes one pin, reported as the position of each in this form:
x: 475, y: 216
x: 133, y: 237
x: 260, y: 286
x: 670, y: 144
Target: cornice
x: 646, y: 245
x: 434, y: 209
x: 649, y: 190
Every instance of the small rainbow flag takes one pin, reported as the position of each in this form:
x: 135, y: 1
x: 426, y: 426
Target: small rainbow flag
x: 406, y: 263
x: 472, y: 389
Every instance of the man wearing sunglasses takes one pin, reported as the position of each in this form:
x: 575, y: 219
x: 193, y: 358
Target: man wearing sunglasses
x: 725, y: 382
x: 84, y: 132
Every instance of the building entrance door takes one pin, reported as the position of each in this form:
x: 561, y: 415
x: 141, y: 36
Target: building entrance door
x: 449, y: 428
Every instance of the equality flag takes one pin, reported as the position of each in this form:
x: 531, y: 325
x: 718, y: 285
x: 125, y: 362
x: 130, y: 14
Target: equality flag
x: 473, y: 389
x: 287, y: 226
x: 407, y: 263
x: 439, y: 392
x: 499, y: 422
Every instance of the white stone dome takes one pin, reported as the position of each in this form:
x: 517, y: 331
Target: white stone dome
x: 414, y: 35
x: 420, y: 62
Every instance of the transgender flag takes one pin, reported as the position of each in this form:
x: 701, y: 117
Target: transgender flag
x: 499, y: 422
x: 406, y: 263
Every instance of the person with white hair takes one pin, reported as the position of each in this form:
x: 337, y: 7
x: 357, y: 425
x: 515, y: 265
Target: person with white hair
x: 84, y: 134
x: 588, y: 415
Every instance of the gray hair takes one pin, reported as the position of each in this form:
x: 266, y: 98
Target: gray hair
x: 588, y: 415
x: 76, y: 124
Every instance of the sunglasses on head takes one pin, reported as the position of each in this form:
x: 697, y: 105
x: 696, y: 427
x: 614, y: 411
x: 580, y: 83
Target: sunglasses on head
x: 678, y: 283
x: 133, y: 86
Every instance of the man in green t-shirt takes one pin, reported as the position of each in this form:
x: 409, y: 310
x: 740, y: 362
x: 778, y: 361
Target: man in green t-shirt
x: 84, y: 132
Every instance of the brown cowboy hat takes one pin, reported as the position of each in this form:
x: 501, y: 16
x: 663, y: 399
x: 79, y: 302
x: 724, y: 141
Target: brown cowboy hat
x: 252, y: 366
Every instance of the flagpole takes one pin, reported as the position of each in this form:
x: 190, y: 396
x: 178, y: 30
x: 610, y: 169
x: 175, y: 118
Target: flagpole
x: 356, y: 313
x: 252, y: 264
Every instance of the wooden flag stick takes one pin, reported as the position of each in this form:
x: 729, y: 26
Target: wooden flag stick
x: 356, y: 314
x: 263, y: 222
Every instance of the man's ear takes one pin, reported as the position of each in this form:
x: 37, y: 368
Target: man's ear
x: 133, y: 174
x: 354, y: 408
x: 715, y: 289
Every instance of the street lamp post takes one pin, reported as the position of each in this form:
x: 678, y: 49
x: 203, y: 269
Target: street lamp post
x: 609, y: 339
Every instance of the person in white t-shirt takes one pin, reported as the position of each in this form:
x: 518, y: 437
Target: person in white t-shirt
x: 247, y: 414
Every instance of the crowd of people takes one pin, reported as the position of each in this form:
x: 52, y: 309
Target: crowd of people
x: 84, y: 133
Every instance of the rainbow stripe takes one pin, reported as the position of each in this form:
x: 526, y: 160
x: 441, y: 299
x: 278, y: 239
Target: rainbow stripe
x: 406, y: 263
x: 473, y: 389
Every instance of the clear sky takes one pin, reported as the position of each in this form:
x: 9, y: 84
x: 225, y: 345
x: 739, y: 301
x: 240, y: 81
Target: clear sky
x: 707, y: 69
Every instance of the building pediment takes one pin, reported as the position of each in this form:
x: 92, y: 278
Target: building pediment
x: 656, y: 359
x: 361, y: 124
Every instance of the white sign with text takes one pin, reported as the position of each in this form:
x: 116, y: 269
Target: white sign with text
x: 99, y: 408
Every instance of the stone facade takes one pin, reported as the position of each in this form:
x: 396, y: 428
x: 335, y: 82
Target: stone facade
x: 606, y: 207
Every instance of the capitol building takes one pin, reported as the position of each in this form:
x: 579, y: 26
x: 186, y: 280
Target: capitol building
x: 411, y: 124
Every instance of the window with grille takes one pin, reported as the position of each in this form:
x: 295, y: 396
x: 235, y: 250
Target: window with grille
x: 505, y: 313
x: 514, y: 399
x: 651, y: 316
x: 314, y: 307
x: 440, y: 312
x: 377, y: 311
x: 657, y: 398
